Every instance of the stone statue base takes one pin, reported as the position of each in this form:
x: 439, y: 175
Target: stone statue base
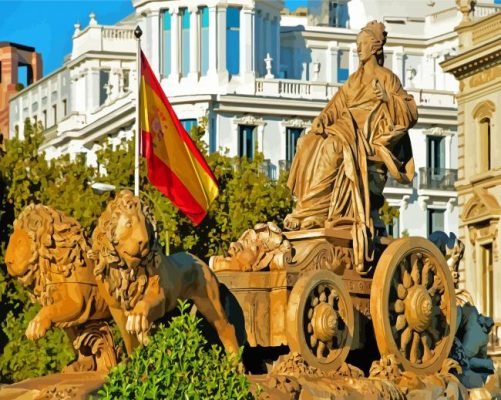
x: 67, y: 386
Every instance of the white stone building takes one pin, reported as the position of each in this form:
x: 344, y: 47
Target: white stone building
x: 260, y: 78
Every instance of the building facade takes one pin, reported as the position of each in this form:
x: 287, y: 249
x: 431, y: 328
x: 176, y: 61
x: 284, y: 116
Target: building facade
x: 13, y: 56
x: 259, y: 78
x: 477, y: 66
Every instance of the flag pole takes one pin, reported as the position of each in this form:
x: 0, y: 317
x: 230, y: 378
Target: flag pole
x: 137, y: 33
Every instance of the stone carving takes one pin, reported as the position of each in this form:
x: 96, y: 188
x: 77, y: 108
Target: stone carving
x: 142, y: 283
x: 263, y: 247
x: 341, y: 165
x: 47, y: 253
x: 472, y: 333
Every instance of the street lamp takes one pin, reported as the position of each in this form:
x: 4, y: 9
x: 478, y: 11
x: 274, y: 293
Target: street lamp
x: 101, y: 188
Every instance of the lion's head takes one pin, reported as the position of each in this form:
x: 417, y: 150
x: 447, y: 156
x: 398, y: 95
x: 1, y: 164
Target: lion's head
x: 44, y: 242
x: 122, y: 240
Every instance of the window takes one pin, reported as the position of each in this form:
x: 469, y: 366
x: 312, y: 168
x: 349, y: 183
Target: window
x: 188, y: 124
x: 487, y: 278
x: 485, y: 145
x: 185, y: 41
x: 166, y: 42
x: 44, y: 113
x: 126, y: 80
x: 343, y: 65
x: 436, y: 154
x: 435, y: 220
x: 292, y: 136
x: 246, y: 141
x: 54, y: 114
x: 204, y: 40
x: 65, y: 107
x: 393, y: 228
x: 104, y: 78
x: 233, y: 40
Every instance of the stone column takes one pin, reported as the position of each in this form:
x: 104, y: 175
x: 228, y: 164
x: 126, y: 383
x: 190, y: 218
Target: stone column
x: 332, y: 64
x: 221, y: 44
x: 353, y: 60
x: 174, y: 71
x: 397, y: 62
x: 247, y: 44
x: 276, y: 39
x: 93, y: 87
x: 194, y: 43
x: 258, y: 44
x: 153, y: 24
x: 213, y: 39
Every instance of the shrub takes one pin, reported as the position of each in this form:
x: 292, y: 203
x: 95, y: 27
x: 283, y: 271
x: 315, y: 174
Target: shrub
x: 178, y: 364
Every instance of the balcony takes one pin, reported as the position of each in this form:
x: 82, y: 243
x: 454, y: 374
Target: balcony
x: 437, y: 178
x: 391, y: 182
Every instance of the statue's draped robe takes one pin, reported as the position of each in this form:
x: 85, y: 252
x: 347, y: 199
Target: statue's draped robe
x: 329, y: 175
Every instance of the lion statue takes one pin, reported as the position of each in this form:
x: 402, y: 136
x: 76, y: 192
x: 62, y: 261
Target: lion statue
x: 145, y: 283
x: 47, y: 252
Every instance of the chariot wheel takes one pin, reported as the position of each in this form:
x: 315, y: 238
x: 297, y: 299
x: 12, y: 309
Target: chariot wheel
x: 320, y: 320
x: 413, y: 305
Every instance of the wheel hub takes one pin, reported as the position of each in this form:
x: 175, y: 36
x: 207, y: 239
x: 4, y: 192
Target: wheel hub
x: 324, y: 322
x: 418, y: 308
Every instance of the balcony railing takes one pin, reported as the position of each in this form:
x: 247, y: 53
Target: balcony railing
x: 391, y: 182
x: 301, y: 89
x: 437, y: 178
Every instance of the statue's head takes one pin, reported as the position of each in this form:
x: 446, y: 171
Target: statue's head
x: 370, y: 42
x: 44, y: 241
x: 124, y: 233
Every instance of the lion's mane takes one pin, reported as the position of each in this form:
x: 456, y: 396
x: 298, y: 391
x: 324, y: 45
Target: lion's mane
x: 58, y: 245
x: 125, y: 284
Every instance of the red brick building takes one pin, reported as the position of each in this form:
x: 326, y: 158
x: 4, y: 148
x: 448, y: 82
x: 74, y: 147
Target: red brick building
x: 13, y: 56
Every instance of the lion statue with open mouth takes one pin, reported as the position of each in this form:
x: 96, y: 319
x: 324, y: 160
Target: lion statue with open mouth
x: 145, y: 283
x: 47, y: 252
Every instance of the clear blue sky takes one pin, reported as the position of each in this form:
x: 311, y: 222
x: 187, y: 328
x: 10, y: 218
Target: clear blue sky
x: 48, y: 25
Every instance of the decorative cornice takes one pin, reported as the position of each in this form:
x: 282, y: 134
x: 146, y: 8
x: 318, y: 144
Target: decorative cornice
x: 296, y: 123
x: 249, y: 120
x: 437, y: 131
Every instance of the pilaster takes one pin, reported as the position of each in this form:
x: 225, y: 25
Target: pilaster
x: 247, y: 73
x: 175, y: 28
x: 332, y: 62
x: 194, y: 44
x: 397, y: 62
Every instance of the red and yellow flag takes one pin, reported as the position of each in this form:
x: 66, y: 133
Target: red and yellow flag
x: 175, y: 165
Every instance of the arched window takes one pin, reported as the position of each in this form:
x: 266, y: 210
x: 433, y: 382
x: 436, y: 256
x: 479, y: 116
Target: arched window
x: 485, y: 144
x: 482, y: 114
x: 233, y: 40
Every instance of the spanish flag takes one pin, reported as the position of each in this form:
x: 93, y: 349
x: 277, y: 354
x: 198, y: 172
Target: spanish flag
x: 175, y: 165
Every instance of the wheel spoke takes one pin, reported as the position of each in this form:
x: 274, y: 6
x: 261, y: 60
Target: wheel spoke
x: 405, y: 339
x: 425, y: 273
x: 310, y: 328
x: 313, y: 341
x: 401, y: 322
x: 314, y: 301
x: 427, y: 343
x: 414, y: 355
x: 320, y: 349
x: 407, y: 280
x: 415, y: 269
x: 399, y: 306
x: 323, y: 297
x: 401, y: 291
